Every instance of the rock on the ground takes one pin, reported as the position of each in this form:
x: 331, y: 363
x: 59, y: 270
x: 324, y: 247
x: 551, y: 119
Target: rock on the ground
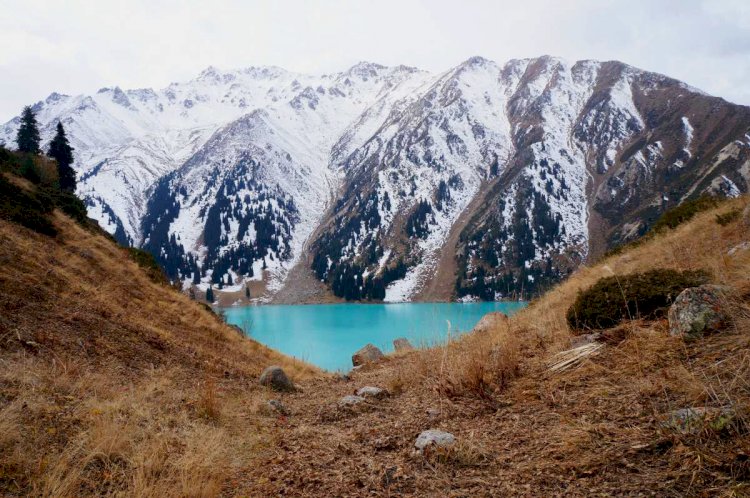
x: 697, y: 310
x: 693, y: 420
x: 434, y: 437
x: 742, y: 246
x: 746, y: 216
x: 372, y: 392
x: 402, y: 344
x: 367, y: 354
x: 278, y: 407
x: 490, y: 321
x: 275, y: 378
x: 351, y: 400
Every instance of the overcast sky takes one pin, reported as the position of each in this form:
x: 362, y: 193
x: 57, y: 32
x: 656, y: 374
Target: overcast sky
x: 79, y: 46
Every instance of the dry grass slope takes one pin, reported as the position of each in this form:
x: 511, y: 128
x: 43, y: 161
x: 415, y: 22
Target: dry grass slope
x: 111, y: 384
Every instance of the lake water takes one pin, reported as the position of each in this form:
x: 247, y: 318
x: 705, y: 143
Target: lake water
x: 327, y: 335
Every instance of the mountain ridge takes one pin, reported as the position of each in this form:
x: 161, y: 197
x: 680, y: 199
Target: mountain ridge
x: 369, y: 170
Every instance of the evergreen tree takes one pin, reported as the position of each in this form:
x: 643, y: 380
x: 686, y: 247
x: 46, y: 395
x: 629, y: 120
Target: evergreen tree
x: 247, y: 292
x: 28, y: 133
x: 210, y: 295
x: 61, y: 151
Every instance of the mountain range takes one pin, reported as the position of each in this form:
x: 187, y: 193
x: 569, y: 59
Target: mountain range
x: 486, y: 181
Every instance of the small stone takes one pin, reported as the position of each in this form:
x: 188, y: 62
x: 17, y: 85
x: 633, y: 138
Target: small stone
x: 351, y: 400
x: 372, y: 392
x: 697, y: 310
x: 367, y: 354
x: 433, y: 413
x: 275, y: 378
x: 402, y: 344
x: 434, y: 437
x: 278, y: 407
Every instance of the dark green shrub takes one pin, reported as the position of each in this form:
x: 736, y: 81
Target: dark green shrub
x: 728, y: 217
x: 27, y: 208
x: 638, y: 295
x: 146, y: 261
x: 684, y: 212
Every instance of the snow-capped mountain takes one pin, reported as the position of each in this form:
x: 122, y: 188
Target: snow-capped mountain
x: 484, y: 181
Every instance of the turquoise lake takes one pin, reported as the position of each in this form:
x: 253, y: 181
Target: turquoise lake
x: 327, y: 335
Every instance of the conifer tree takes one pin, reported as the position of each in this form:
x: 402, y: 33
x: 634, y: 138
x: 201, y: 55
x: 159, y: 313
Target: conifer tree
x: 28, y: 133
x: 210, y: 295
x: 247, y: 292
x: 62, y: 152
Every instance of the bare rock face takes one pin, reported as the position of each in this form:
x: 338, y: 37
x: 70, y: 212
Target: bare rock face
x: 697, y: 310
x: 402, y: 344
x: 275, y: 378
x: 490, y: 321
x: 367, y: 354
x: 434, y: 438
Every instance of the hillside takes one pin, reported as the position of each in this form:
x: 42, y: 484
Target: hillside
x: 598, y: 428
x: 488, y: 180
x: 111, y: 383
x: 114, y: 384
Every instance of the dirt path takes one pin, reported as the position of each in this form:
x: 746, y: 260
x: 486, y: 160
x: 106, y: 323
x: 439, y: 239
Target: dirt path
x: 441, y: 286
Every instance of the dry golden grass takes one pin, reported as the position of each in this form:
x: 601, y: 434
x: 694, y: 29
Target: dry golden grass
x: 111, y: 384
x: 605, y: 410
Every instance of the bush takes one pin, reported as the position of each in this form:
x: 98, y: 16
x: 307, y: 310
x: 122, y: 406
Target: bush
x: 638, y: 295
x: 684, y: 212
x: 725, y: 219
x: 146, y: 261
x: 27, y: 208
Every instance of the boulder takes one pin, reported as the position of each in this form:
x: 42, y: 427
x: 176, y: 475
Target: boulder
x: 694, y: 420
x: 372, y: 392
x: 697, y: 310
x: 490, y: 321
x: 402, y: 344
x: 367, y: 354
x: 351, y: 400
x: 746, y: 216
x: 275, y: 378
x: 434, y: 438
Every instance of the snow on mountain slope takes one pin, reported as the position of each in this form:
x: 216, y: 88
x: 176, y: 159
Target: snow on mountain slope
x: 519, y: 172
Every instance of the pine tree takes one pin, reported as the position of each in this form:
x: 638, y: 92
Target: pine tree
x: 62, y: 152
x: 247, y: 292
x: 210, y: 295
x: 28, y: 133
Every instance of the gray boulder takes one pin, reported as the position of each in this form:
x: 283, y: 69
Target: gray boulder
x: 694, y: 420
x: 275, y: 378
x: 697, y: 310
x: 351, y: 400
x: 372, y: 392
x: 367, y: 354
x: 434, y: 438
x: 402, y: 344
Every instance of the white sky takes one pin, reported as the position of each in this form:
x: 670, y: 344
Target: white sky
x: 79, y: 46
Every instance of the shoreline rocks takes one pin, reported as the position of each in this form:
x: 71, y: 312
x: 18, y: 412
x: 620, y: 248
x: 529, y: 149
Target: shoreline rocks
x: 402, y: 344
x: 368, y: 354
